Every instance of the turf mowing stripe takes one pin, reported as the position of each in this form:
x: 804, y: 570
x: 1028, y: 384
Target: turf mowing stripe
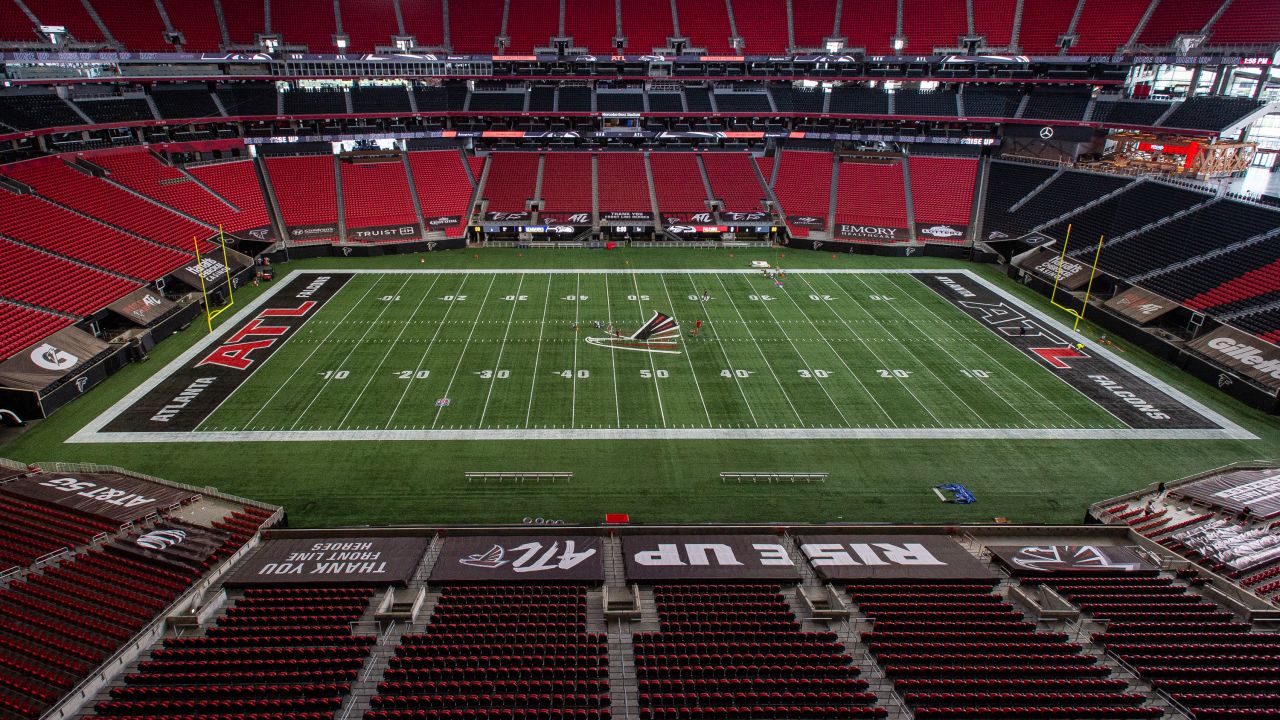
x: 280, y: 388
x: 368, y: 328
x: 458, y: 365
x: 839, y: 356
x: 808, y: 366
x: 733, y: 370
x: 867, y: 345
x: 426, y: 352
x: 537, y: 357
x: 688, y: 356
x: 657, y: 384
x: 497, y: 365
x: 378, y: 369
x: 912, y: 290
x: 959, y: 364
x: 760, y: 350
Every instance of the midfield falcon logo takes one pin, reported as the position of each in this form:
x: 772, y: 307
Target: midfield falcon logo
x: 659, y: 335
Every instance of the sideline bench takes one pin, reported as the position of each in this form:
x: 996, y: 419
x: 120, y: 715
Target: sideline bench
x: 518, y: 476
x: 755, y: 477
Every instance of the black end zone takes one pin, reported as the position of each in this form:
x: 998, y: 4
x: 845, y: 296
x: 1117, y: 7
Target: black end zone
x: 184, y: 399
x: 1133, y: 400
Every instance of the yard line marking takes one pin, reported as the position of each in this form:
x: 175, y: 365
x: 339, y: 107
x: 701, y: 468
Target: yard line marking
x: 759, y: 349
x: 458, y: 365
x: 577, y: 320
x: 501, y: 351
x: 733, y: 370
x: 866, y: 344
x: 368, y: 328
x: 314, y: 350
x: 613, y: 353
x: 387, y: 354
x: 840, y: 357
x: 928, y: 369
x: 538, y: 355
x: 982, y: 348
x: 657, y: 386
x: 687, y: 354
x: 803, y: 359
x: 443, y: 321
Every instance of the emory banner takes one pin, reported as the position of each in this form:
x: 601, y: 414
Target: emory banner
x: 333, y: 561
x: 42, y: 364
x: 1250, y: 492
x: 142, y: 306
x: 118, y: 498
x: 1034, y: 559
x: 1071, y: 274
x: 523, y: 558
x: 1139, y: 305
x: 1242, y: 353
x: 707, y: 557
x: 873, y: 556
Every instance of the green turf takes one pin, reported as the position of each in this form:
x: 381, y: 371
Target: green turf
x: 509, y: 352
x: 654, y: 481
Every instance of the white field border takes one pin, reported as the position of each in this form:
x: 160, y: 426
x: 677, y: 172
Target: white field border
x: 93, y: 433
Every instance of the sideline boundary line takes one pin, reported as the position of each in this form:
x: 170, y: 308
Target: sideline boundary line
x: 92, y: 431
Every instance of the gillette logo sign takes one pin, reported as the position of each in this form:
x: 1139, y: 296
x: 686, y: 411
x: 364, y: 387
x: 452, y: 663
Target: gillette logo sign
x: 1247, y: 355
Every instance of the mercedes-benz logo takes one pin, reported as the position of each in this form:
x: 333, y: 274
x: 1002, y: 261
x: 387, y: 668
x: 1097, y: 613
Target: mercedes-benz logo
x: 1046, y: 133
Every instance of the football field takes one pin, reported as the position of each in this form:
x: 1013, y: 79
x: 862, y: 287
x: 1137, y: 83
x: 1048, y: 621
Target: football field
x: 407, y: 355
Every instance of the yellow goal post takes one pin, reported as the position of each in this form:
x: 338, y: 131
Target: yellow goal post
x: 209, y: 312
x: 1093, y: 272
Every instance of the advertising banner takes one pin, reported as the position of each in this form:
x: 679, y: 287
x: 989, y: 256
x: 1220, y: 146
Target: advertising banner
x: 565, y: 218
x: 142, y: 306
x: 1093, y: 559
x: 941, y: 232
x: 807, y: 221
x: 508, y: 217
x: 111, y: 496
x: 214, y: 272
x: 1242, y: 353
x: 870, y: 232
x: 1140, y: 306
x: 442, y: 222
x: 42, y: 364
x: 304, y: 233
x: 332, y: 561
x: 746, y: 218
x: 386, y: 233
x: 706, y: 557
x: 1248, y: 492
x: 876, y: 556
x: 1071, y: 274
x: 522, y: 558
x: 627, y: 216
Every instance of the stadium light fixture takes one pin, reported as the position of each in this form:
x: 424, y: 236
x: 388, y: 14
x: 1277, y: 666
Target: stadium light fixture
x: 341, y: 42
x: 899, y: 43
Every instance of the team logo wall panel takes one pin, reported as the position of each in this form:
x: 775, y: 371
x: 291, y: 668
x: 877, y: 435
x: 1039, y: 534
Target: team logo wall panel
x: 111, y: 496
x: 520, y: 558
x: 1092, y: 559
x: 333, y: 561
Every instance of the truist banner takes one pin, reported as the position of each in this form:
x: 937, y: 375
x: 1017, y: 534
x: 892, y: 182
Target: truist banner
x: 627, y: 216
x: 811, y: 222
x: 508, y: 217
x: 174, y: 544
x: 185, y: 398
x: 111, y: 496
x: 520, y: 558
x: 1140, y: 306
x: 304, y: 233
x: 707, y: 557
x: 941, y: 232
x: 1249, y: 492
x: 386, y: 233
x: 870, y: 232
x: 142, y: 306
x: 876, y: 556
x: 1243, y: 353
x: 44, y: 363
x: 1070, y: 274
x: 332, y: 561
x: 1092, y: 559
